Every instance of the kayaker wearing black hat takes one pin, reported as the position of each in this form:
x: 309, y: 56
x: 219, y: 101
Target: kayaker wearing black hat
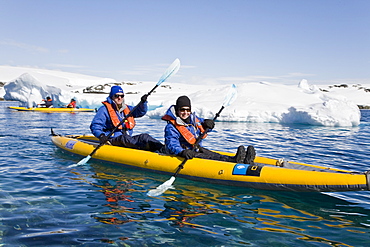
x: 72, y: 104
x: 110, y: 115
x: 47, y: 103
x: 182, y: 129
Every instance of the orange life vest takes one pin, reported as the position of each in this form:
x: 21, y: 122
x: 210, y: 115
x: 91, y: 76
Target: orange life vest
x: 188, y: 136
x: 72, y: 104
x: 129, y: 122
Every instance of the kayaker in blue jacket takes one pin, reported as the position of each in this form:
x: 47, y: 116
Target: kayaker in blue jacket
x: 182, y: 129
x: 112, y: 112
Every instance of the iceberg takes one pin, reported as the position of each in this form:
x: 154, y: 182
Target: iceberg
x: 257, y: 102
x: 274, y: 103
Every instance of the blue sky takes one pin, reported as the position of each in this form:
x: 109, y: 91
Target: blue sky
x: 228, y: 41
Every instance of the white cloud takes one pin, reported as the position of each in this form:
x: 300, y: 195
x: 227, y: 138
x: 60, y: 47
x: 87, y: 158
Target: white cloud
x: 24, y: 46
x: 63, y: 51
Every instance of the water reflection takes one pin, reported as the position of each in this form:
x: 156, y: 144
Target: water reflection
x: 232, y: 213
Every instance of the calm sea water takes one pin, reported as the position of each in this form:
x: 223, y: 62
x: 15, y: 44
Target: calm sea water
x: 45, y: 203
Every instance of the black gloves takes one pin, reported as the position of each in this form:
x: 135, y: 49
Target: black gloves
x: 188, y: 154
x: 144, y: 98
x: 103, y: 138
x: 208, y: 124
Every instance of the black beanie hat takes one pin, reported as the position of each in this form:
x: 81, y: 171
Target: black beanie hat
x: 182, y: 101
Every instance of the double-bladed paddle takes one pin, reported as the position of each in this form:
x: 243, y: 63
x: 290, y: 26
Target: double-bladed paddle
x: 230, y: 97
x: 174, y: 67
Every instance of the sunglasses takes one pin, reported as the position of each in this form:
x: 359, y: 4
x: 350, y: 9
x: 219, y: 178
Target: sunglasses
x: 119, y: 95
x: 185, y: 109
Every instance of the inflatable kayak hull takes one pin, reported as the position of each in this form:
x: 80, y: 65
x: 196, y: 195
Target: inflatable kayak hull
x: 266, y: 173
x: 45, y: 109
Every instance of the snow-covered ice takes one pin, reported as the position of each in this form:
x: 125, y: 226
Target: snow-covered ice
x: 256, y: 102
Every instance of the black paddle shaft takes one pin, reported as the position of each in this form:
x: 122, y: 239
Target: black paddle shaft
x: 200, y: 137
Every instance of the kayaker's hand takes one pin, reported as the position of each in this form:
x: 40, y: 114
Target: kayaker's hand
x: 188, y: 154
x: 103, y: 139
x: 208, y: 124
x: 144, y: 98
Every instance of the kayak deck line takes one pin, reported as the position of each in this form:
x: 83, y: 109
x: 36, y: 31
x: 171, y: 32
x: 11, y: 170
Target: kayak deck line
x: 286, y: 164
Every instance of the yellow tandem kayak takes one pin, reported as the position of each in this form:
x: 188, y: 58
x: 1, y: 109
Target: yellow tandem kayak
x: 45, y: 109
x: 266, y: 173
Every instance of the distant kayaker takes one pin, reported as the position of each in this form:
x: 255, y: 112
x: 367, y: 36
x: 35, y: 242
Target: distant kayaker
x: 72, y: 104
x: 182, y: 129
x: 47, y: 103
x: 112, y: 112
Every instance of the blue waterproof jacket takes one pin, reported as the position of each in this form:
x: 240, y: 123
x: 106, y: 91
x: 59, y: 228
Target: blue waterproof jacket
x: 102, y: 124
x: 174, y: 141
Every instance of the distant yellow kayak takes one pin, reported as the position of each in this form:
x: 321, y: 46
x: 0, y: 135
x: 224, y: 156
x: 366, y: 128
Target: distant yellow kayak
x: 45, y: 109
x: 266, y: 173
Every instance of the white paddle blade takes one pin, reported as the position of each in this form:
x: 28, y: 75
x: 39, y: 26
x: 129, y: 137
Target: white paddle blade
x: 82, y: 162
x: 174, y: 67
x: 231, y: 96
x: 162, y: 188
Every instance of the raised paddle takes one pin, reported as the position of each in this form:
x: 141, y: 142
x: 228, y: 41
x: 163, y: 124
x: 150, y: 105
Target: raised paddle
x: 230, y: 97
x: 174, y: 67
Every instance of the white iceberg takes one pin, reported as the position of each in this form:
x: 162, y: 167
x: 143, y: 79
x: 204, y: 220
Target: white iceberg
x: 256, y: 102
